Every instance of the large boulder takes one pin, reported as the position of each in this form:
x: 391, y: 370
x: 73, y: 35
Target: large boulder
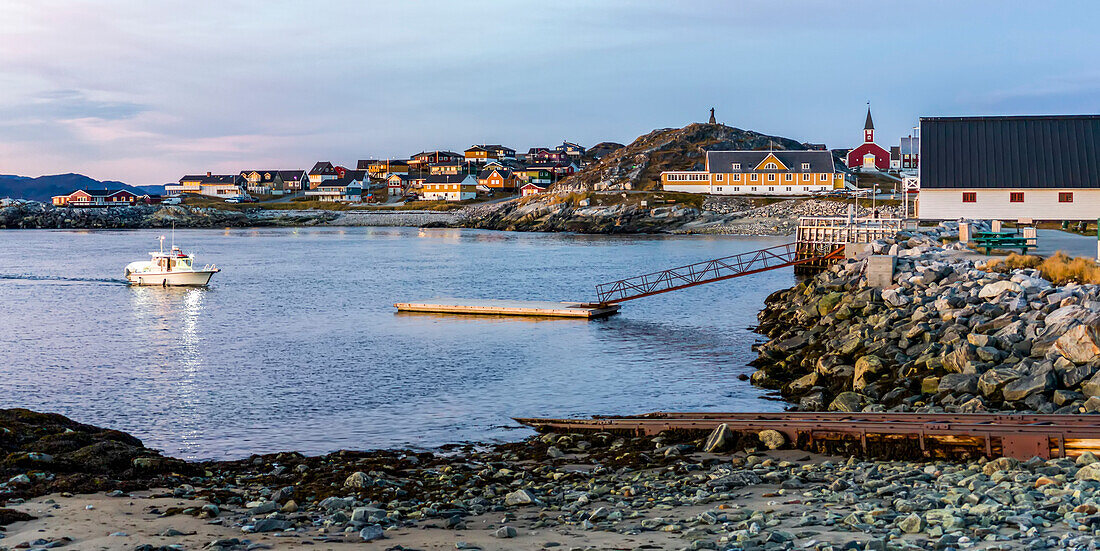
x: 959, y: 383
x: 848, y: 402
x: 1026, y: 386
x: 998, y: 287
x: 720, y: 438
x: 1079, y: 345
x: 867, y: 367
x: 991, y: 382
x: 961, y: 360
x: 1091, y: 387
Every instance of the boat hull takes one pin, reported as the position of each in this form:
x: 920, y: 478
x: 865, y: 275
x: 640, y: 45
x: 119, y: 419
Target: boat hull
x: 197, y: 278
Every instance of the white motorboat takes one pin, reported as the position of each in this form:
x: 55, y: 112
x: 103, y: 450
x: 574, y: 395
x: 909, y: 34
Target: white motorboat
x: 169, y: 268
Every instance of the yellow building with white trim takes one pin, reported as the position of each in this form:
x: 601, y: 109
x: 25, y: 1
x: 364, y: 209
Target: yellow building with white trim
x: 759, y: 173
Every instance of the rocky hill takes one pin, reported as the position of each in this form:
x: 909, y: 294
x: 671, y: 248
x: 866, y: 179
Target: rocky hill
x: 639, y: 165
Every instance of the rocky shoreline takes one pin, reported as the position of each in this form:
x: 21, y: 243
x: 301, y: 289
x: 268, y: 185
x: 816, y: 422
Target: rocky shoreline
x: 945, y: 335
x: 33, y: 215
x: 719, y: 215
x: 573, y: 491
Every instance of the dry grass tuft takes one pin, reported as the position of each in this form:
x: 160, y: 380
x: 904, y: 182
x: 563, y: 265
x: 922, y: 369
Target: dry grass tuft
x: 1059, y: 268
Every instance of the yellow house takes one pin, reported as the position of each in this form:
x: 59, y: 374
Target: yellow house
x: 759, y: 173
x: 449, y: 187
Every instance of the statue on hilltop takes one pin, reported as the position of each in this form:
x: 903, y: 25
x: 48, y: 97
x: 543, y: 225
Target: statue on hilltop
x: 712, y: 121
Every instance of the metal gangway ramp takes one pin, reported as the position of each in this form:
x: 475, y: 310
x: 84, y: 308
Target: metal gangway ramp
x: 709, y: 271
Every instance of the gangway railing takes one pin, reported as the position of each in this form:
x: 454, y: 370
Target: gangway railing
x: 708, y: 271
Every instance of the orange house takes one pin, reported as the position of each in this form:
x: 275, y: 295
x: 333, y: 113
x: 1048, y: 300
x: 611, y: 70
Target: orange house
x: 497, y: 178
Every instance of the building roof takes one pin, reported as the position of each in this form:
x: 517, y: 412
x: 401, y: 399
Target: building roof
x: 869, y: 124
x: 212, y: 178
x: 504, y: 173
x: 722, y: 161
x: 340, y: 182
x: 446, y: 178
x: 102, y: 192
x: 1010, y: 152
x: 292, y: 174
x: 323, y: 167
x: 362, y: 164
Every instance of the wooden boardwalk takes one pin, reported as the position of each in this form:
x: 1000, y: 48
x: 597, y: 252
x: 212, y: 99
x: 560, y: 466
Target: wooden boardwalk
x: 493, y: 307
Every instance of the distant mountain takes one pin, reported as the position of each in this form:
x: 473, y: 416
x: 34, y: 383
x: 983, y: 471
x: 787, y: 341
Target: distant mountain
x: 43, y: 188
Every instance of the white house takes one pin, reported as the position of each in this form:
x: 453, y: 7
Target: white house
x: 345, y: 190
x: 1010, y: 168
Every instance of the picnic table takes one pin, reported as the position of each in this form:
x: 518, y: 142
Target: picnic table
x: 1005, y: 239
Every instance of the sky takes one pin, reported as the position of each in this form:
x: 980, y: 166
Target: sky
x: 145, y: 92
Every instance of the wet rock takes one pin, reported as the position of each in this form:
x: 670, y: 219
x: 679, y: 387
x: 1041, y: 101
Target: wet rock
x: 271, y: 525
x: 911, y: 524
x: 505, y: 532
x: 520, y: 497
x: 358, y: 479
x: 371, y: 533
x: 772, y: 439
x: 720, y: 439
x: 848, y: 401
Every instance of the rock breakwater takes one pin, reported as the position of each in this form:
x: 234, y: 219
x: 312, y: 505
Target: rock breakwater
x: 34, y: 215
x: 945, y: 336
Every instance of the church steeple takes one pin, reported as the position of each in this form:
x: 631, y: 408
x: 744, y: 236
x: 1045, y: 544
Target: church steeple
x: 868, y: 127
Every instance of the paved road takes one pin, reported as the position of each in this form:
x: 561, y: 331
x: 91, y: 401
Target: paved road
x: 1073, y: 244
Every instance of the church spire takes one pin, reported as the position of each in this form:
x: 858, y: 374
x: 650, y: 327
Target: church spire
x: 869, y: 127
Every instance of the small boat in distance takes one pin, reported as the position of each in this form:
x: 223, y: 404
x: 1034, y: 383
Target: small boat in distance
x: 169, y: 268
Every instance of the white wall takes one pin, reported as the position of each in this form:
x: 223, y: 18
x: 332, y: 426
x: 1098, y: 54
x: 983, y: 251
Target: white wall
x: 994, y: 204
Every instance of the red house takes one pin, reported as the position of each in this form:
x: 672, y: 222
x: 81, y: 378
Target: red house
x: 96, y: 198
x: 869, y: 155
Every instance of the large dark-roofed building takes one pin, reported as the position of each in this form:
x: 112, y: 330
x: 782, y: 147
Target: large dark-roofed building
x: 1010, y: 168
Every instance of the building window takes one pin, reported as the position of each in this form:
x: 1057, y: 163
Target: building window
x: 771, y: 177
x: 788, y: 188
x: 719, y: 188
x: 970, y: 197
x: 736, y: 177
x: 805, y: 166
x: 736, y: 166
x: 719, y: 177
x: 787, y: 177
x: 824, y: 177
x: 1016, y: 197
x: 771, y: 189
x: 755, y: 177
x: 770, y: 166
x: 1065, y: 197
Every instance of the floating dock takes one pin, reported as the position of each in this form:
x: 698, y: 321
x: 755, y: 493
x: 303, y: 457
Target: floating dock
x: 493, y: 307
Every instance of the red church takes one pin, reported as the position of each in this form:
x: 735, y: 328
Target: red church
x: 869, y: 156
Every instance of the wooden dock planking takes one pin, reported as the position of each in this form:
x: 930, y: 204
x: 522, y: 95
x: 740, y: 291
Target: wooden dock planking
x: 497, y: 307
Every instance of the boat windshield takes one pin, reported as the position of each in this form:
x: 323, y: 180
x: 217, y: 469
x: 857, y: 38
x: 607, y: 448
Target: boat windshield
x: 184, y: 263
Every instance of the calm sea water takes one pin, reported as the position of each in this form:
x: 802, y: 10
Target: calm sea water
x: 296, y: 345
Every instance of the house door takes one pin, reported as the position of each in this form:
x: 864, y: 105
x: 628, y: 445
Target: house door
x: 869, y: 160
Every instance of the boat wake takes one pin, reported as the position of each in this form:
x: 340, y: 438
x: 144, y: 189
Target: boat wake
x: 60, y: 279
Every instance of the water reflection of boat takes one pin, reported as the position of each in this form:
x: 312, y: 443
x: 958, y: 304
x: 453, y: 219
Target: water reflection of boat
x: 169, y: 268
